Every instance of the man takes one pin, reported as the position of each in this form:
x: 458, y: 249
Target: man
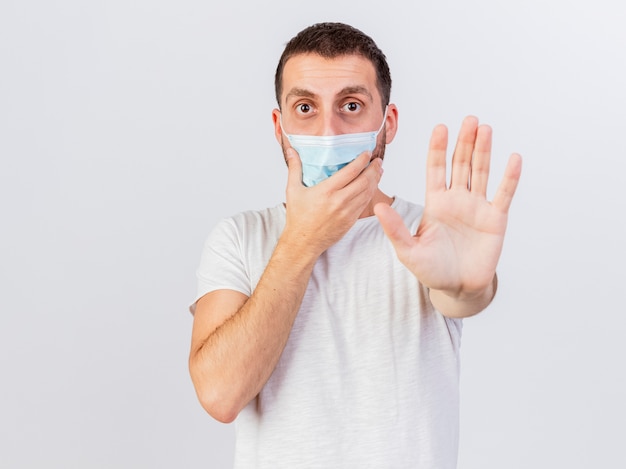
x: 330, y: 326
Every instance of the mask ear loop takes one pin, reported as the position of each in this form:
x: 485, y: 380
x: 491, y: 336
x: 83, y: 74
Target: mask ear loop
x: 381, y: 125
x: 282, y: 129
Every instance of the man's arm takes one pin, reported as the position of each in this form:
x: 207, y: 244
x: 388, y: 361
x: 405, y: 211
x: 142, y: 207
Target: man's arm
x: 458, y: 243
x: 465, y: 304
x: 237, y: 341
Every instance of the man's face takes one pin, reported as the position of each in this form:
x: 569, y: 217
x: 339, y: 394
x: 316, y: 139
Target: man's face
x: 331, y: 97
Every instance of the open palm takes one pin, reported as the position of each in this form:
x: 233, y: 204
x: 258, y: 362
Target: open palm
x: 459, y: 240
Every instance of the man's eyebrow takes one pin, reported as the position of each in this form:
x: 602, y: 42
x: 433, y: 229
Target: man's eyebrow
x: 348, y: 90
x: 356, y: 89
x: 299, y: 93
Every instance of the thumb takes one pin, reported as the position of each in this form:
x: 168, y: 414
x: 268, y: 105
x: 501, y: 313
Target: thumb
x: 294, y: 168
x: 394, y: 227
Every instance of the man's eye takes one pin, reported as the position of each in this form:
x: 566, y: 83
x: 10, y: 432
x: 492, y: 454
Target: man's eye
x: 304, y: 108
x: 352, y: 107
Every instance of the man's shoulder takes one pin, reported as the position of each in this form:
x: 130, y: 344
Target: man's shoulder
x: 245, y: 223
x: 266, y: 215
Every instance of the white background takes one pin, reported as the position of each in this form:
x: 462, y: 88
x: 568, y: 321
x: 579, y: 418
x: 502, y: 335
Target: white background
x: 129, y: 128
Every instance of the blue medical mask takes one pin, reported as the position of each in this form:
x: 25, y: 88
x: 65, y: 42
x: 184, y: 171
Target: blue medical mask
x: 322, y: 156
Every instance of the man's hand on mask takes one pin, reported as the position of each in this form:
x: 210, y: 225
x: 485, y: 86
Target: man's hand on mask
x: 458, y: 243
x: 318, y: 216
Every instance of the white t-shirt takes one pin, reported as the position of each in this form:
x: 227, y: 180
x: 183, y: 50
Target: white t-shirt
x: 369, y: 377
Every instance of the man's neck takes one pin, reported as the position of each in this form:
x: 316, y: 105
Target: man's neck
x: 378, y: 197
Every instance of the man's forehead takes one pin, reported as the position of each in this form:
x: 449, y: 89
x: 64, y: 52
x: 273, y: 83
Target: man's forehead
x: 311, y: 74
x: 309, y: 61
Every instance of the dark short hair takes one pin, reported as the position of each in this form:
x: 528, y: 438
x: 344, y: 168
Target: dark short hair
x: 331, y: 40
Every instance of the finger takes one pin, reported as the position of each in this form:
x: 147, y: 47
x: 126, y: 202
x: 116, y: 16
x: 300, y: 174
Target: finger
x: 394, y: 227
x: 361, y: 189
x: 350, y: 172
x: 294, y: 169
x: 372, y: 172
x: 436, y: 161
x: 462, y: 157
x: 508, y: 185
x: 481, y: 161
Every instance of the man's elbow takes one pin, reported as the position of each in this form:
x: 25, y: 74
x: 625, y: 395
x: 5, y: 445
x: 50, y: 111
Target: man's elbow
x: 217, y: 398
x: 220, y: 407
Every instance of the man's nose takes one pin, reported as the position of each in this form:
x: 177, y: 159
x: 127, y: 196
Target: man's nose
x: 330, y: 124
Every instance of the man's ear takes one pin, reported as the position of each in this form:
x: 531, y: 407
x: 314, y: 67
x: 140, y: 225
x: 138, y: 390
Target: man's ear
x: 278, y: 133
x: 391, y: 123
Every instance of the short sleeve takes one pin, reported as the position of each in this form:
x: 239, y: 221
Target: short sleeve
x: 221, y: 264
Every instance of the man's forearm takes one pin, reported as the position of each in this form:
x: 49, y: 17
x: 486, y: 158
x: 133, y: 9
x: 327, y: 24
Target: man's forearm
x: 236, y: 360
